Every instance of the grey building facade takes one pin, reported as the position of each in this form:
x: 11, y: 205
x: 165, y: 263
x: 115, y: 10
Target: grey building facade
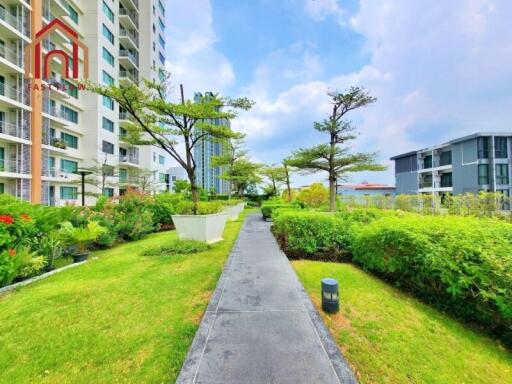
x: 209, y: 177
x: 478, y: 162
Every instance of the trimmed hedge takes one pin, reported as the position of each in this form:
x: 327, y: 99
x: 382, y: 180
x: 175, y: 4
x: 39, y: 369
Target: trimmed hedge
x: 268, y: 208
x: 461, y: 265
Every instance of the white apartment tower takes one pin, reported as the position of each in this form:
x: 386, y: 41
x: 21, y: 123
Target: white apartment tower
x: 72, y: 128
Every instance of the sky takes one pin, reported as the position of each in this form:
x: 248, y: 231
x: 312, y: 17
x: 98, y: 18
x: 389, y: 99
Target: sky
x: 439, y: 69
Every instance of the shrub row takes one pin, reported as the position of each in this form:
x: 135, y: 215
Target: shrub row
x: 460, y: 265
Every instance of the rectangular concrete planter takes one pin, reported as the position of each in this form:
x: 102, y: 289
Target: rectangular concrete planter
x: 233, y: 211
x: 207, y: 228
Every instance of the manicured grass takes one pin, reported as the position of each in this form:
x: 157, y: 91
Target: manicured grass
x: 389, y: 337
x: 122, y: 317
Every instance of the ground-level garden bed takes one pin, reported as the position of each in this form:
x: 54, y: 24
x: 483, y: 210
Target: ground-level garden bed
x: 390, y: 337
x: 123, y: 317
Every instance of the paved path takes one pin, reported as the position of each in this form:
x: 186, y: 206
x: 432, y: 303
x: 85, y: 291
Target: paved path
x: 260, y: 326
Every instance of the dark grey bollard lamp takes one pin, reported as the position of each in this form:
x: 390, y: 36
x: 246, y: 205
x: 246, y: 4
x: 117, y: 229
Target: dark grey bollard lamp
x: 330, y: 295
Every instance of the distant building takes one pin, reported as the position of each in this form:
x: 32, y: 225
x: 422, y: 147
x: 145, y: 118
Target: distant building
x: 208, y: 177
x: 478, y: 162
x: 365, y: 189
x: 175, y: 174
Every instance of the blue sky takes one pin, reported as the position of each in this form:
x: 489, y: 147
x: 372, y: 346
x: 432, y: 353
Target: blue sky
x: 439, y: 69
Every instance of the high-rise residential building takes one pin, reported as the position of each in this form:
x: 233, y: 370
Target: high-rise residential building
x: 478, y: 162
x: 209, y: 177
x: 47, y: 134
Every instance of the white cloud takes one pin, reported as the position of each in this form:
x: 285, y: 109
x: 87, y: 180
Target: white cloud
x: 193, y: 58
x: 320, y: 9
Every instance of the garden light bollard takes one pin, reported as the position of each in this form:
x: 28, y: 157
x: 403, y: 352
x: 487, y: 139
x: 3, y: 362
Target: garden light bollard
x: 330, y: 296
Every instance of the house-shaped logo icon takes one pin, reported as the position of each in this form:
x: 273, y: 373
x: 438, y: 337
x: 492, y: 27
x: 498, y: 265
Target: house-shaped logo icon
x: 38, y: 64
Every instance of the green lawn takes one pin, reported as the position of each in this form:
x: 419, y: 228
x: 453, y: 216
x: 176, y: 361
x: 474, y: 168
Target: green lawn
x: 121, y: 318
x: 389, y: 337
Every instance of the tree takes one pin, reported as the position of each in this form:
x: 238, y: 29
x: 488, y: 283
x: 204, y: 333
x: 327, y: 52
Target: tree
x: 276, y: 177
x: 233, y: 155
x: 314, y: 196
x: 287, y: 171
x: 335, y: 157
x: 158, y: 121
x: 102, y: 176
x: 245, y: 174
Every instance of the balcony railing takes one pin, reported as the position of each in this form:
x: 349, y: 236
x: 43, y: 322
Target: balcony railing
x: 426, y: 184
x: 129, y: 75
x: 10, y: 55
x: 132, y: 15
x: 13, y: 129
x: 13, y: 93
x: 129, y: 159
x: 12, y: 20
x: 123, y: 115
x: 124, y: 53
x: 14, y: 166
x: 130, y: 34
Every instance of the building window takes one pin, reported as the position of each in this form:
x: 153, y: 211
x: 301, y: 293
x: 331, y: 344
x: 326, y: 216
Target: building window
x: 162, y: 177
x: 483, y: 174
x: 71, y: 89
x: 108, y: 12
x: 162, y: 25
x: 2, y: 188
x: 446, y: 180
x: 162, y: 58
x: 2, y: 159
x: 108, y: 34
x: 68, y: 166
x: 427, y: 162
x: 446, y: 158
x: 123, y: 175
x: 109, y: 192
x: 505, y: 204
x: 161, y: 159
x: 108, y: 125
x: 70, y: 140
x: 500, y: 147
x: 107, y: 56
x: 501, y: 174
x: 68, y: 193
x: 108, y: 102
x: 161, y: 6
x: 73, y: 14
x: 162, y: 41
x: 107, y: 147
x: 107, y: 79
x: 69, y: 114
x: 483, y: 147
x: 154, y: 157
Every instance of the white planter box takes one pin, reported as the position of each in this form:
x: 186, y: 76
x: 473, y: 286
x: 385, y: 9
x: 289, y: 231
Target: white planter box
x: 233, y: 211
x: 208, y: 228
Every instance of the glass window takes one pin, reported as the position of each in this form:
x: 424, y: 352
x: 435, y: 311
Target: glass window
x: 501, y: 174
x: 161, y: 40
x: 2, y: 159
x: 108, y: 147
x: 73, y: 14
x: 446, y: 158
x: 162, y: 177
x: 108, y: 34
x: 483, y: 147
x: 500, y: 147
x: 107, y: 79
x: 69, y: 114
x: 161, y: 159
x: 483, y: 174
x: 107, y: 56
x: 446, y: 180
x: 506, y: 199
x: 161, y: 6
x: 68, y: 193
x: 108, y: 102
x: 123, y: 175
x: 108, y: 125
x: 71, y: 89
x: 70, y: 140
x: 2, y: 188
x: 108, y: 12
x: 427, y: 162
x: 68, y: 166
x: 162, y: 58
x: 109, y: 192
x: 162, y: 25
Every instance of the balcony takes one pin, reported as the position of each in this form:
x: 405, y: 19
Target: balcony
x: 11, y: 55
x: 426, y: 184
x: 131, y: 36
x: 131, y: 16
x: 14, y: 21
x: 131, y: 76
x: 15, y: 130
x: 14, y: 166
x: 14, y: 94
x: 131, y: 56
x: 130, y: 3
x: 129, y: 159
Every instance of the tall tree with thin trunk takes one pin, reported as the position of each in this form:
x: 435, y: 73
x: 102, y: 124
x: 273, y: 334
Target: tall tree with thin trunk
x: 234, y: 154
x: 335, y: 157
x: 158, y: 121
x: 287, y: 172
x: 275, y: 175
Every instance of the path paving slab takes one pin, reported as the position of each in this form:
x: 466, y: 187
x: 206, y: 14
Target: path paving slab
x: 260, y: 326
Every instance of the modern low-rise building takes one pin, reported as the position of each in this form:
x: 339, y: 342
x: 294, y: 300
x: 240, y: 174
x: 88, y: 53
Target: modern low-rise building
x: 473, y: 163
x: 45, y: 137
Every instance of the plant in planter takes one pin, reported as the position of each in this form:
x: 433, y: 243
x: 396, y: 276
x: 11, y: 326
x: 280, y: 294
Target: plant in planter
x: 174, y: 125
x: 206, y: 224
x: 59, y: 143
x: 80, y: 238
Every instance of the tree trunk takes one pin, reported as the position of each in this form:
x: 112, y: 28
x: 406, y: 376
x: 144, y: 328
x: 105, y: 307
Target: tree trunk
x: 332, y: 193
x: 195, y: 193
x: 288, y: 186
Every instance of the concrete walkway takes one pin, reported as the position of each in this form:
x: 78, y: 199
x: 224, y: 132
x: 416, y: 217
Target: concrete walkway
x: 260, y: 326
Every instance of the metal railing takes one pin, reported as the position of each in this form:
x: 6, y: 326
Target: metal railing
x: 129, y: 75
x: 132, y: 15
x: 123, y: 32
x: 14, y: 129
x: 130, y: 55
x: 123, y: 115
x: 129, y: 159
x: 11, y: 19
x: 14, y: 166
x: 11, y: 55
x: 12, y: 93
